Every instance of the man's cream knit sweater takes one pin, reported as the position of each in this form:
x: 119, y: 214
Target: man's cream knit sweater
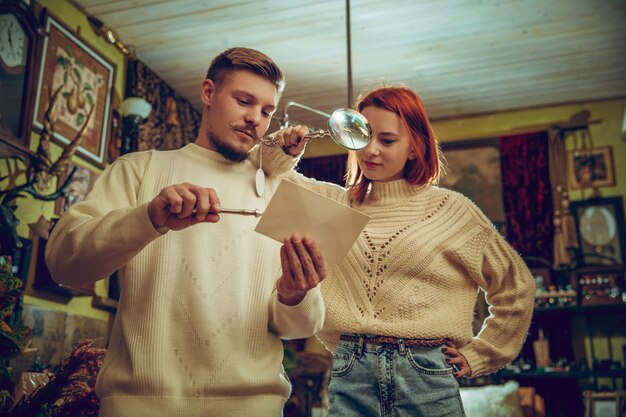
x: 415, y: 270
x: 198, y: 324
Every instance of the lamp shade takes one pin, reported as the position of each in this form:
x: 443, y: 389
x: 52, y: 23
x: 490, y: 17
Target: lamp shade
x: 135, y: 106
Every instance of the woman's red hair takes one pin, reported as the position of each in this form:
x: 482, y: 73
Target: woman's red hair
x: 403, y: 101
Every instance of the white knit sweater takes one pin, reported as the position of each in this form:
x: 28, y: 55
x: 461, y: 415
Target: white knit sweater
x: 415, y: 270
x: 198, y: 324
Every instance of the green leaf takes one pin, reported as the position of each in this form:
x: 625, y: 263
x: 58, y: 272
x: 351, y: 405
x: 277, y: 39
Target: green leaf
x: 80, y: 118
x: 65, y: 77
x: 80, y: 63
x: 65, y: 94
x: 64, y: 62
x: 87, y: 87
x: 90, y: 99
x: 78, y: 76
x: 68, y: 50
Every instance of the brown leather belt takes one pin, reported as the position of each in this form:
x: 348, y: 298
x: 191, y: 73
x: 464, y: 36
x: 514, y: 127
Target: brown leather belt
x: 389, y: 340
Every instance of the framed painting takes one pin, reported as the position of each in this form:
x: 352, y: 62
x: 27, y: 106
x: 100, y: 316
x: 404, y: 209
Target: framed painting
x: 43, y: 278
x: 81, y: 184
x: 605, y: 404
x: 601, y: 230
x: 590, y: 168
x: 110, y: 301
x: 474, y: 171
x: 83, y: 82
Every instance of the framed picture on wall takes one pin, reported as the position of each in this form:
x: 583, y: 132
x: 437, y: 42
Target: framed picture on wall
x: 601, y: 231
x: 590, y: 168
x: 110, y: 301
x: 43, y: 278
x: 84, y: 81
x: 605, y: 404
x: 474, y: 171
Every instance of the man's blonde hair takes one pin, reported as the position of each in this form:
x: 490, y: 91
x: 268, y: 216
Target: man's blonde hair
x: 247, y: 59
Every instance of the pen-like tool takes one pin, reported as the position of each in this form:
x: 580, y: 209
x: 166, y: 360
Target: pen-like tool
x: 243, y: 212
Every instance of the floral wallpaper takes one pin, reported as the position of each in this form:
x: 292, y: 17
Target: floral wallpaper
x: 173, y: 122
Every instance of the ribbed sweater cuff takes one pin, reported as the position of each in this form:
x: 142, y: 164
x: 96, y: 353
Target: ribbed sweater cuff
x: 145, y: 226
x: 475, y: 361
x: 302, y: 320
x: 276, y: 161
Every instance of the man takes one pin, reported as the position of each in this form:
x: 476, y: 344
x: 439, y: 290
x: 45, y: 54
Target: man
x: 202, y: 308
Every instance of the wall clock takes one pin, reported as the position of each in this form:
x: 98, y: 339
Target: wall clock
x: 601, y: 230
x: 20, y: 34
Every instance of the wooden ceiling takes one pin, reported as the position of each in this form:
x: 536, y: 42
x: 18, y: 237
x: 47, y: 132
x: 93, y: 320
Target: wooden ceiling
x: 463, y: 57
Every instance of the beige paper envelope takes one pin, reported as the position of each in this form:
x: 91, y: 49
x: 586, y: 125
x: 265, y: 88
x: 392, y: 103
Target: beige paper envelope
x: 296, y: 210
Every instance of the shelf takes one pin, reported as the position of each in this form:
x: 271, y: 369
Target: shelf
x: 605, y: 308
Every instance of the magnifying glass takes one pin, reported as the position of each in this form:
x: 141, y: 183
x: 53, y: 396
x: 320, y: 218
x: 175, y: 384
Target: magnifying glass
x: 347, y: 127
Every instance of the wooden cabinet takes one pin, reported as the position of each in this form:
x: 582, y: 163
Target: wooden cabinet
x: 587, y: 343
x: 20, y: 36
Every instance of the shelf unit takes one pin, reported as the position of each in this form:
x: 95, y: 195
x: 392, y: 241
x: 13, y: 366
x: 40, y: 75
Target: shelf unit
x: 574, y: 334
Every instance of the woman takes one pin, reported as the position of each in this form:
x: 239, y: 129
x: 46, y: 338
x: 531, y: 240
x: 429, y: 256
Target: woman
x: 399, y: 308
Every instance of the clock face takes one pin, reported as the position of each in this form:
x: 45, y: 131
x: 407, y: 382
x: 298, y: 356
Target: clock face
x: 13, y: 41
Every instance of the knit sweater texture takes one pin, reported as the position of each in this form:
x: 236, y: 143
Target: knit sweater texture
x: 415, y: 270
x: 198, y: 326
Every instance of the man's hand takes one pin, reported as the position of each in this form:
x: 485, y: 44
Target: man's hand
x: 182, y: 205
x: 292, y: 139
x: 303, y: 269
x: 456, y: 359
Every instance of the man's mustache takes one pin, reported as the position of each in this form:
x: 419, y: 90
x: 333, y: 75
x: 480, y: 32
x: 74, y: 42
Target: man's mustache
x: 247, y: 129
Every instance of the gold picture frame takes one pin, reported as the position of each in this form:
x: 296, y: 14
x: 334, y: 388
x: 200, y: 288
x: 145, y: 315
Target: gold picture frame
x: 605, y: 404
x: 588, y: 168
x: 85, y: 79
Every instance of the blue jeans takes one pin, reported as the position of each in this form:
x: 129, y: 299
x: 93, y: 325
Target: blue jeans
x: 392, y: 381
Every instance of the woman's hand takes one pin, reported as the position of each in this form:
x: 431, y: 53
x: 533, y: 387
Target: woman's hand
x: 458, y: 361
x: 292, y: 139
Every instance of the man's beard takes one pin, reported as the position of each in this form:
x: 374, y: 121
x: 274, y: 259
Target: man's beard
x: 227, y: 151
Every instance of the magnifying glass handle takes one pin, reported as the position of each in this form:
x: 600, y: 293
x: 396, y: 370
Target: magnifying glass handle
x: 271, y: 141
x: 242, y: 212
x: 346, y: 127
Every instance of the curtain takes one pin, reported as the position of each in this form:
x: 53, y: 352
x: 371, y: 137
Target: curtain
x: 325, y: 168
x: 527, y: 194
x: 173, y: 122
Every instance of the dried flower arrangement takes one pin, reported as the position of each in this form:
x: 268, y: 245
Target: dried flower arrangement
x: 70, y: 391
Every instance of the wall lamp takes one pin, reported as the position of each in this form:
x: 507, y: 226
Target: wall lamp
x: 133, y: 111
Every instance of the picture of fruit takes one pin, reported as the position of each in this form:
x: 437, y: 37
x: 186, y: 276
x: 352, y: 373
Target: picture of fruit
x: 72, y: 101
x: 77, y: 93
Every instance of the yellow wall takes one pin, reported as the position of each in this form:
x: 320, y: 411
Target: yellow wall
x: 609, y: 116
x: 30, y: 209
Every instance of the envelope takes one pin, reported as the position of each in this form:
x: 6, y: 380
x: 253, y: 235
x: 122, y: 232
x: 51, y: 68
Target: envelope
x: 296, y: 210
